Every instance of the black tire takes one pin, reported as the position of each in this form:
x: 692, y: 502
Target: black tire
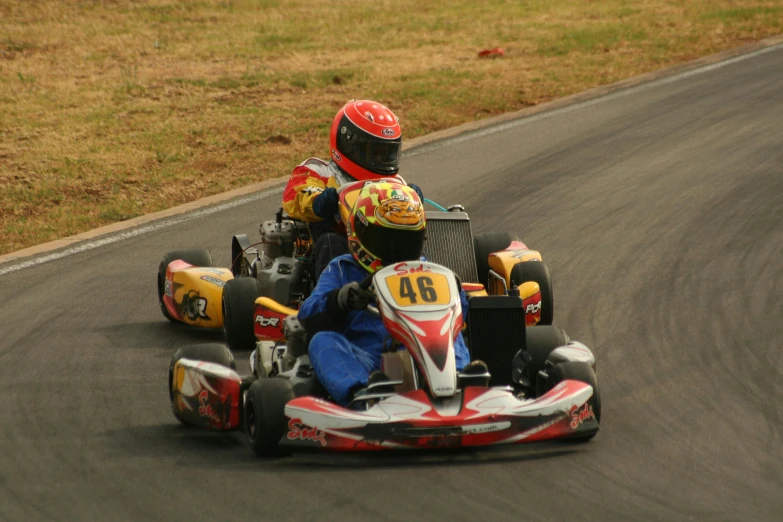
x: 483, y: 246
x: 541, y: 340
x: 239, y: 298
x: 195, y: 257
x: 211, y: 352
x: 264, y: 414
x: 539, y: 343
x: 538, y: 272
x: 578, y: 371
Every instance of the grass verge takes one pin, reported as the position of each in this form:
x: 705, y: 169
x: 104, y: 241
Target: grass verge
x: 110, y: 109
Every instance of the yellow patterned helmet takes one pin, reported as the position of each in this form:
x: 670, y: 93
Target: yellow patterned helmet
x: 386, y: 225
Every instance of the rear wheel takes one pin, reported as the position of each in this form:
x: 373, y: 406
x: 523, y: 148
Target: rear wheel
x: 195, y: 257
x: 583, y: 372
x: 484, y: 245
x: 538, y: 272
x: 210, y: 352
x: 265, y: 420
x: 239, y: 298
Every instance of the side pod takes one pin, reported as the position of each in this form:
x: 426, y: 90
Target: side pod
x: 206, y: 394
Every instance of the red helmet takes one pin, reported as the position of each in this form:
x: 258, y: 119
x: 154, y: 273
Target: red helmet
x: 366, y: 140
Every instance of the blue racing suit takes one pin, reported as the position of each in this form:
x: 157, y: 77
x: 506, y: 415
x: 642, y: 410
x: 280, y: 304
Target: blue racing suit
x: 345, y: 347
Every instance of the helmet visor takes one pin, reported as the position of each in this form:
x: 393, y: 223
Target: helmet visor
x: 374, y: 154
x: 390, y: 245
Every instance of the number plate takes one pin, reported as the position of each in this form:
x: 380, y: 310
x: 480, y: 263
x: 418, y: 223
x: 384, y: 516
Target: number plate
x: 416, y: 289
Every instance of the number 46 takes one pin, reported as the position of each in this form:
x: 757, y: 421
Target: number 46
x: 426, y: 290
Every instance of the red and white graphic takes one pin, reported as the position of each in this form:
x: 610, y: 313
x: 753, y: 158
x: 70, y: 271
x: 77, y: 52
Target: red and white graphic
x: 578, y: 416
x: 532, y: 306
x: 268, y: 324
x: 206, y: 393
x: 297, y: 431
x: 481, y: 416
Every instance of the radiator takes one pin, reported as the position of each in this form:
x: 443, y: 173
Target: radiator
x: 496, y: 332
x: 450, y: 243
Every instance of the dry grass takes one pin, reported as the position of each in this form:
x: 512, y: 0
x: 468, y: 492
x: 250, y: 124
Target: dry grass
x: 114, y: 108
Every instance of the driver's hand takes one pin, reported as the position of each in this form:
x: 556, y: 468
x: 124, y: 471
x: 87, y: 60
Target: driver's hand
x: 353, y: 297
x: 326, y: 203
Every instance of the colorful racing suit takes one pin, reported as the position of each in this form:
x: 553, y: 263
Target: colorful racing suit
x: 346, y: 346
x: 308, y: 182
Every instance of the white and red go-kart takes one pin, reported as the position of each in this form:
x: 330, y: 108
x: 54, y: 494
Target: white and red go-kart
x: 543, y: 386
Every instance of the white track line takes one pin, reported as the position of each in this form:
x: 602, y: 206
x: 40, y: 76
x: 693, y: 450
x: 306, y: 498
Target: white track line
x: 90, y: 245
x: 447, y: 142
x: 469, y: 135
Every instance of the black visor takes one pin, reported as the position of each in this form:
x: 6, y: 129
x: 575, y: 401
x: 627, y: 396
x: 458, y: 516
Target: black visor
x: 390, y: 245
x: 374, y: 154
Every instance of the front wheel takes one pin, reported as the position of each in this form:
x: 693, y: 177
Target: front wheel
x: 239, y: 304
x: 583, y: 372
x: 265, y: 420
x: 539, y: 343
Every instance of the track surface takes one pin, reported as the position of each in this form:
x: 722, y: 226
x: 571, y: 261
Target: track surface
x: 659, y: 214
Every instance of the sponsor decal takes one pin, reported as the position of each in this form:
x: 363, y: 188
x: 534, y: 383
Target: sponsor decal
x: 485, y: 428
x: 399, y: 210
x: 362, y: 218
x: 267, y: 321
x: 312, y: 190
x: 205, y: 409
x: 336, y: 155
x: 297, y: 431
x: 388, y: 132
x: 407, y: 268
x: 532, y: 309
x: 214, y: 280
x: 578, y: 416
x: 194, y: 306
x: 167, y: 288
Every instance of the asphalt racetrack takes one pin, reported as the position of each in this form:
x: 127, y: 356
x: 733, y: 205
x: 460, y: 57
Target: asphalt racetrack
x: 658, y: 211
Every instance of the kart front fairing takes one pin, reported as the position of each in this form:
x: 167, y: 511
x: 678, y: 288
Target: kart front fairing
x: 475, y: 416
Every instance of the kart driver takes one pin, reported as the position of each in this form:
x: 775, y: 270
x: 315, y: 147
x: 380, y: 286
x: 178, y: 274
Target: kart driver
x: 347, y: 342
x: 365, y: 142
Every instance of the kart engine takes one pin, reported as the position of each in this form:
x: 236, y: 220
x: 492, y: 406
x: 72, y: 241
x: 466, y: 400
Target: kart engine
x: 280, y: 273
x: 278, y: 239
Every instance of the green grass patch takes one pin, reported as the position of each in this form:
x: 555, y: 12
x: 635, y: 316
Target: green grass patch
x: 590, y: 39
x: 745, y: 14
x: 199, y: 82
x: 117, y: 108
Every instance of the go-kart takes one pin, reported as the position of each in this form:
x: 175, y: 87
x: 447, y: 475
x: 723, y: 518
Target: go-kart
x: 251, y: 299
x: 540, y: 385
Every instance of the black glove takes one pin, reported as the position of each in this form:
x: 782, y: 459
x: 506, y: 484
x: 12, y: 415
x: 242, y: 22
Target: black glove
x: 353, y: 297
x: 417, y: 190
x: 325, y: 204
